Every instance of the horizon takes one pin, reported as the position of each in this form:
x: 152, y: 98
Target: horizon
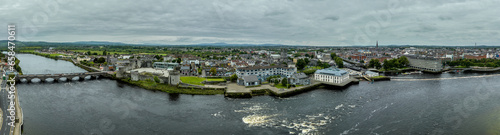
x: 308, y: 23
x: 263, y: 44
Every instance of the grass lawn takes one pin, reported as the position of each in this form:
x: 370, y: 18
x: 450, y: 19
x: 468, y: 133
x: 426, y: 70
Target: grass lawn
x: 215, y: 79
x: 192, y: 80
x: 378, y: 76
x: 172, y: 89
x: 197, y: 80
x: 279, y: 86
x: 460, y: 67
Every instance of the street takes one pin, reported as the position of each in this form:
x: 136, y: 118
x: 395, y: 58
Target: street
x: 4, y: 104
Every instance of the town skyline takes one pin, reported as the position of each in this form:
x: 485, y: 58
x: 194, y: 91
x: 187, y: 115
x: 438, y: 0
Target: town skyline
x: 222, y: 44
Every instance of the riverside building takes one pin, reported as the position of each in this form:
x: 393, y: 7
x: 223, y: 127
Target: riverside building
x: 263, y: 72
x: 331, y: 75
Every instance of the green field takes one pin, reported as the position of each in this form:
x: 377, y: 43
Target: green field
x: 215, y: 79
x: 100, y: 52
x: 192, y: 80
x: 57, y: 55
x: 197, y: 80
x: 151, y: 85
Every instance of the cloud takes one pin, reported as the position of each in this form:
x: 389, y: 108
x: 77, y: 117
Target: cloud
x: 423, y: 28
x: 317, y: 22
x: 445, y: 18
x: 333, y: 18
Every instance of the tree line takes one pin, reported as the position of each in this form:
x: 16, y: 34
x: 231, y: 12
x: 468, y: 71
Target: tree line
x: 474, y: 62
x: 400, y: 62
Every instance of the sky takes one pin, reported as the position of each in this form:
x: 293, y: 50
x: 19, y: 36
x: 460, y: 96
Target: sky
x: 289, y: 22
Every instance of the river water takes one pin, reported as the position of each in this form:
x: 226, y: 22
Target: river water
x: 438, y: 104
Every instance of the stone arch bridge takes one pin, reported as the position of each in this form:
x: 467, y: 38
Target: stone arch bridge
x: 60, y: 77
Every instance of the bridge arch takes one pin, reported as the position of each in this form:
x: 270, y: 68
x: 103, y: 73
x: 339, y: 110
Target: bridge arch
x: 60, y: 77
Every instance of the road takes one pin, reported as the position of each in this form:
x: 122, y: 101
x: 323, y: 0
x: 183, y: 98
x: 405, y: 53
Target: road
x: 4, y: 104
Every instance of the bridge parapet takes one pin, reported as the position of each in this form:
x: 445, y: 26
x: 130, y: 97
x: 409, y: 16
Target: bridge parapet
x: 56, y: 77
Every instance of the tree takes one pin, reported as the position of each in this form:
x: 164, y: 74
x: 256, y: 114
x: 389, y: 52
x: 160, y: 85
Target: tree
x: 104, y: 52
x: 333, y: 55
x: 300, y: 64
x: 403, y: 61
x: 284, y: 81
x: 375, y: 63
x: 233, y: 78
x: 200, y: 71
x: 307, y: 60
x: 179, y: 60
x: 157, y: 80
x: 213, y: 70
x: 339, y: 62
x: 362, y: 61
x: 296, y: 55
x: 490, y: 64
x: 387, y: 64
x: 88, y: 53
x: 99, y: 60
x: 397, y: 64
x: 158, y: 57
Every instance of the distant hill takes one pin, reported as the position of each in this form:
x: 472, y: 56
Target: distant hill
x: 99, y: 43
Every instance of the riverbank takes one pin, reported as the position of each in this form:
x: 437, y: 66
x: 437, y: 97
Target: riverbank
x: 237, y: 91
x: 228, y: 92
x: 149, y: 85
x: 88, y: 69
x: 476, y: 69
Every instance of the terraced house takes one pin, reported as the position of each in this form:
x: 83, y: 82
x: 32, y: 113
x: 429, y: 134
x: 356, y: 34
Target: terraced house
x: 263, y: 72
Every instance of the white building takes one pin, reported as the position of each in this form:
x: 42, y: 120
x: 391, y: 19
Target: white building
x: 371, y: 73
x: 125, y: 57
x: 263, y: 72
x: 82, y: 59
x: 275, y: 56
x: 331, y: 75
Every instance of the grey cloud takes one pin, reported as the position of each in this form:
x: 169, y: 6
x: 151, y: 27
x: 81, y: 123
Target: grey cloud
x: 257, y: 21
x: 445, y: 18
x: 423, y: 28
x: 333, y: 18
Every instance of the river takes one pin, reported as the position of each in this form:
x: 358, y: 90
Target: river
x: 464, y: 105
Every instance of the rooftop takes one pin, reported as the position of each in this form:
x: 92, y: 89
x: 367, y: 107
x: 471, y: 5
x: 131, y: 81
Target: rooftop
x: 265, y: 67
x: 331, y: 71
x: 250, y: 78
